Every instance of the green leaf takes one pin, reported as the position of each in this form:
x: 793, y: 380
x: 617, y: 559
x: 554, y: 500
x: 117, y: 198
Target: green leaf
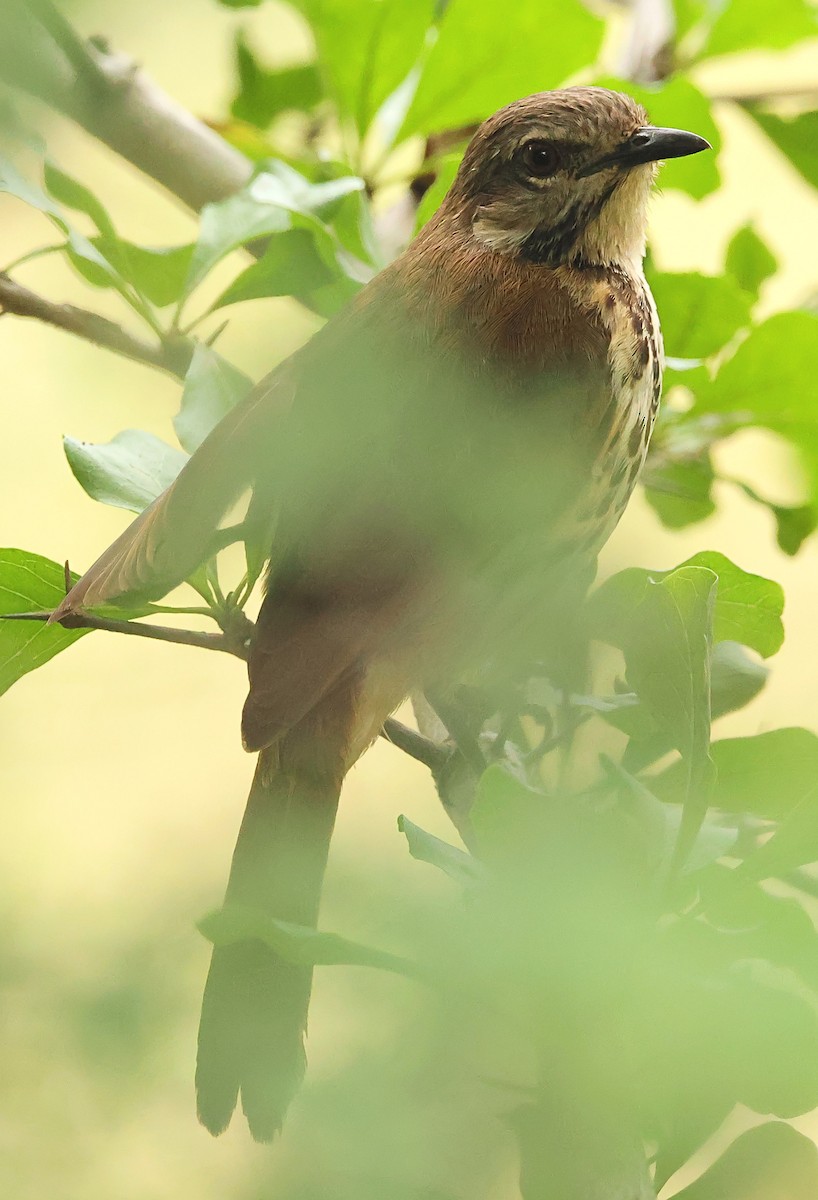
x: 749, y: 260
x: 129, y: 472
x: 30, y: 583
x: 240, y: 3
x: 700, y: 313
x: 487, y: 54
x: 797, y: 137
x: 212, y: 386
x: 794, y: 525
x: 767, y: 775
x: 295, y: 943
x: 748, y: 607
x: 752, y: 25
x: 736, y: 677
x: 444, y: 178
x: 765, y: 383
x: 425, y: 847
x: 667, y: 653
x: 75, y: 195
x: 158, y: 274
x: 291, y: 266
x: 264, y: 94
x: 680, y: 493
x: 770, y: 1162
x: 366, y: 48
x: 265, y: 206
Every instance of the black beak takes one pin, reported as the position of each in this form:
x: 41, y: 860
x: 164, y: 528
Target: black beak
x: 649, y: 144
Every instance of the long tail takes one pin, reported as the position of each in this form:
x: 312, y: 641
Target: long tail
x: 254, y: 1010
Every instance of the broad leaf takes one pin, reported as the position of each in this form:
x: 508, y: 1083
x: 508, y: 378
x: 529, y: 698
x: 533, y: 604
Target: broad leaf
x: 797, y: 137
x: 700, y: 313
x: 158, y: 273
x: 680, y: 493
x: 74, y: 194
x: 30, y: 583
x: 749, y: 260
x: 770, y: 1162
x: 291, y: 266
x: 487, y: 54
x: 129, y: 472
x: 265, y: 206
x: 751, y: 25
x: 748, y: 607
x: 263, y: 94
x: 212, y: 387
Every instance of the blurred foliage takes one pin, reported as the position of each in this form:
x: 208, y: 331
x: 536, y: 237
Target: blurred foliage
x: 617, y: 943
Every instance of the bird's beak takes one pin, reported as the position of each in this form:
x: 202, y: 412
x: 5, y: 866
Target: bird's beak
x: 649, y: 144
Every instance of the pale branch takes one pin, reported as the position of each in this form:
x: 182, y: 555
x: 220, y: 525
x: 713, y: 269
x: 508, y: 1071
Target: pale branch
x: 172, y: 355
x: 110, y: 96
x: 160, y: 633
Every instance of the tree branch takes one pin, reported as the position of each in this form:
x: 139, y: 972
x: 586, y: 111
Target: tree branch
x: 160, y: 633
x: 173, y: 355
x: 112, y: 98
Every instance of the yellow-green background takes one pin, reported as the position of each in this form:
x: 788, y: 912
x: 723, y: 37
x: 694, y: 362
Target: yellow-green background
x: 121, y: 773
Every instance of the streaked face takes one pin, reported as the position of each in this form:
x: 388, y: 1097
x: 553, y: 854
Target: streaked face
x: 565, y: 176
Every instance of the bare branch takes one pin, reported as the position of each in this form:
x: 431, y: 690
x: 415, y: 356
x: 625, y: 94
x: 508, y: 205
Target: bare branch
x: 422, y: 749
x: 160, y: 633
x: 112, y: 98
x: 172, y: 355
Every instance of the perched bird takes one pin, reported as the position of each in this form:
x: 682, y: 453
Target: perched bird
x: 419, y: 474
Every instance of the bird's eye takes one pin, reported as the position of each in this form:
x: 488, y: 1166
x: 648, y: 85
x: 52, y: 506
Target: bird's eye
x: 540, y: 159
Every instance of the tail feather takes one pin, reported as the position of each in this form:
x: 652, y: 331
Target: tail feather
x: 254, y: 1009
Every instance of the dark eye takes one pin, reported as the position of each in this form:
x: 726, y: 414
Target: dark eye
x: 540, y: 159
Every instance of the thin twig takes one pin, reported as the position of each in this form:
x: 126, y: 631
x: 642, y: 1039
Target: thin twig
x: 160, y: 633
x: 171, y: 356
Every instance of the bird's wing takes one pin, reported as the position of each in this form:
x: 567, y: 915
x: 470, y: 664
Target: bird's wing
x: 168, y: 541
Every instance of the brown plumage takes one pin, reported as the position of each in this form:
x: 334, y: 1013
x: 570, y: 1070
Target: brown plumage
x: 473, y: 420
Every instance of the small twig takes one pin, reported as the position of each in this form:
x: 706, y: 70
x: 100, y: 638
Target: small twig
x: 421, y: 748
x: 159, y: 633
x: 172, y: 356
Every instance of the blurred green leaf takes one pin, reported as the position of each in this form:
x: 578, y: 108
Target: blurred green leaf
x: 158, y: 274
x: 128, y: 472
x: 736, y: 677
x: 446, y: 170
x: 797, y: 137
x: 241, y: 3
x: 75, y: 195
x: 264, y: 93
x: 487, y: 55
x: 295, y: 943
x: 770, y: 1162
x: 700, y: 313
x: 751, y: 25
x: 366, y: 48
x: 794, y: 525
x: 212, y: 386
x: 749, y: 260
x: 266, y: 206
x: 680, y: 493
x: 425, y: 847
x: 30, y: 583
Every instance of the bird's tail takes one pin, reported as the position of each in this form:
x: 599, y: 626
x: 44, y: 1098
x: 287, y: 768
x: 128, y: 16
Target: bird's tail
x: 254, y: 1009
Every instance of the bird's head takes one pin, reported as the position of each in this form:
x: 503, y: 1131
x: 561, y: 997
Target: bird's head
x: 565, y: 176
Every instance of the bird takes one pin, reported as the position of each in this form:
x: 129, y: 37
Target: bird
x: 421, y: 474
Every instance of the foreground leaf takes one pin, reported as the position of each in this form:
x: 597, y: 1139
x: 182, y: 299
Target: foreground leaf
x: 30, y: 583
x: 425, y: 847
x: 128, y: 472
x: 296, y: 943
x: 212, y: 387
x: 770, y: 1162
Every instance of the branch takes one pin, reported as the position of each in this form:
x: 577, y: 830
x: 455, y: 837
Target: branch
x: 112, y: 98
x: 422, y: 749
x: 159, y: 633
x: 173, y: 355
